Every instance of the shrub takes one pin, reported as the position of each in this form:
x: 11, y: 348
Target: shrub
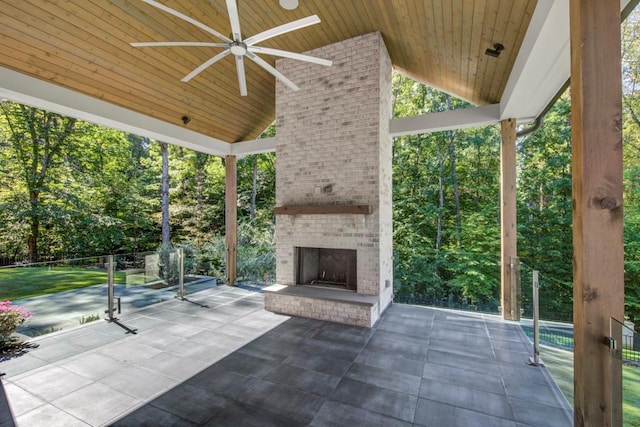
x: 11, y: 316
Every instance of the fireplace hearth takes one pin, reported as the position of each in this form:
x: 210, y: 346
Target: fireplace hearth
x: 327, y: 267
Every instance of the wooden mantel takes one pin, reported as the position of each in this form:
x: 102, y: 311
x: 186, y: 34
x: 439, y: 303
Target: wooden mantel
x: 322, y: 209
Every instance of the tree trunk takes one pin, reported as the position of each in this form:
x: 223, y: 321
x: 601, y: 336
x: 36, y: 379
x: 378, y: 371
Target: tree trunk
x: 441, y: 200
x: 166, y: 235
x: 254, y: 189
x: 32, y: 240
x: 454, y: 179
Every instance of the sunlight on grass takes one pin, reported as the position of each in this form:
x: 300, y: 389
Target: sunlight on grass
x: 26, y: 282
x: 560, y: 364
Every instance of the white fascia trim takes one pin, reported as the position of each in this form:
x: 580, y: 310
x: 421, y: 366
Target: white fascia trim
x: 37, y: 93
x: 256, y: 146
x: 543, y: 63
x: 446, y: 120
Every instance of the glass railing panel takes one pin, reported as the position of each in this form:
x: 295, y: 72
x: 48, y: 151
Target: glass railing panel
x: 60, y: 294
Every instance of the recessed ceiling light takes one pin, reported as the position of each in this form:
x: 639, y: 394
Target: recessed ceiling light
x: 289, y: 4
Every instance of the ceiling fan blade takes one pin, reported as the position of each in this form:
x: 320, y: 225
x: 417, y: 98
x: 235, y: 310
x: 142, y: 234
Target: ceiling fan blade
x: 188, y: 19
x: 155, y: 44
x: 277, y: 74
x: 232, y: 8
x: 281, y: 29
x: 292, y: 55
x: 242, y: 80
x: 205, y: 65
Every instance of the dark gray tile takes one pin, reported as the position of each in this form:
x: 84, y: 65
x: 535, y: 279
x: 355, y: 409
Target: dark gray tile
x: 191, y: 403
x: 288, y: 402
x: 336, y: 414
x: 463, y: 362
x: 457, y: 376
x: 221, y: 381
x: 513, y: 357
x: 151, y: 416
x: 423, y: 330
x: 319, y: 363
x: 244, y: 415
x: 340, y: 335
x: 537, y: 414
x: 430, y: 413
x: 473, y: 399
x: 376, y: 399
x: 247, y: 364
x: 449, y: 328
x: 303, y: 379
x: 391, y: 361
x: 532, y: 392
x: 397, y: 381
x: 336, y: 350
x: 394, y: 336
x: 397, y: 346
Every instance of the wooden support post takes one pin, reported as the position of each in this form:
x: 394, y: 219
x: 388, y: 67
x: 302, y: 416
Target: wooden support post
x: 598, y: 256
x: 231, y: 217
x: 508, y: 241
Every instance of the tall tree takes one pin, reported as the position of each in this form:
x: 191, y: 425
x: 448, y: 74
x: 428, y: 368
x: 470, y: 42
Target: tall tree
x: 166, y: 233
x: 39, y: 141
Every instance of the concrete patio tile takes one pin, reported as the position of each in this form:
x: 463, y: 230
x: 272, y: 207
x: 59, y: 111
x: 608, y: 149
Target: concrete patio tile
x: 197, y: 351
x: 303, y: 379
x: 403, y: 383
x: 376, y: 399
x: 51, y: 382
x: 251, y: 416
x: 144, y: 323
x: 286, y: 401
x: 478, y: 329
x: 139, y: 383
x: 430, y: 413
x: 151, y: 416
x: 397, y: 346
x: 191, y: 403
x: 496, y: 405
x: 49, y: 416
x: 229, y: 384
x: 390, y: 361
x: 482, y: 349
x: 129, y: 351
x: 528, y: 412
x: 156, y: 338
x: 470, y: 379
x: 463, y: 361
x: 92, y: 365
x: 171, y: 366
x: 247, y: 364
x: 89, y: 339
x: 21, y: 364
x: 338, y: 414
x: 346, y: 336
x: 52, y: 349
x: 182, y: 330
x: 217, y: 337
x: 318, y: 363
x: 20, y: 401
x: 532, y: 392
x: 513, y: 357
x: 239, y: 330
x: 401, y: 328
x: 96, y: 403
x: 338, y: 351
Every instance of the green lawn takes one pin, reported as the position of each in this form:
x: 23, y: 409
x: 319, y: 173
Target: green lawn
x: 560, y: 364
x: 24, y: 282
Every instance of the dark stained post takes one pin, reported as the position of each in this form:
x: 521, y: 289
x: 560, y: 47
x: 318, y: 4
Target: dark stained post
x: 231, y: 216
x: 598, y: 257
x: 508, y: 241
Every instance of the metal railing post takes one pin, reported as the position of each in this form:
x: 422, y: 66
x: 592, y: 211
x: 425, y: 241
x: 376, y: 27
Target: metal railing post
x: 536, y: 319
x: 181, y: 273
x: 515, y: 288
x: 110, y: 290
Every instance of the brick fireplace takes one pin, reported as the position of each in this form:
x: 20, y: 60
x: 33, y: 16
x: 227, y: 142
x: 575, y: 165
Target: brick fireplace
x: 333, y: 185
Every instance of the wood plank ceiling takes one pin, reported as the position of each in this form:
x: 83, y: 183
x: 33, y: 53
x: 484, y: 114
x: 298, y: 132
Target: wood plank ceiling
x: 84, y: 45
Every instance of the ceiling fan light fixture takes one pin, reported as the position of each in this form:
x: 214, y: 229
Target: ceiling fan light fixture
x: 289, y: 4
x: 238, y: 49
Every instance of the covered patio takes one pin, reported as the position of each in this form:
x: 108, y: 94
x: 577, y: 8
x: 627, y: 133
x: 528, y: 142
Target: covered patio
x: 221, y: 359
x: 508, y: 58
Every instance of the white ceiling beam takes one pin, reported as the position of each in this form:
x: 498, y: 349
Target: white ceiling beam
x: 256, y: 146
x: 446, y: 120
x: 47, y: 96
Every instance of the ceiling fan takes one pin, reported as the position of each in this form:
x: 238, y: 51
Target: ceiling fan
x: 240, y: 47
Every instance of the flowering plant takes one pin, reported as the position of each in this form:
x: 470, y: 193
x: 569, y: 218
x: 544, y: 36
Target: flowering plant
x: 11, y: 316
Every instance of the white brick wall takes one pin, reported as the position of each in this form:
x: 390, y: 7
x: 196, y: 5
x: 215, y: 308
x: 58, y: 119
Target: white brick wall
x: 334, y: 132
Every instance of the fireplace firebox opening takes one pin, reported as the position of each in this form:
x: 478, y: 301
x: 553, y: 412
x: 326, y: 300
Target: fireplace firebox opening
x: 326, y: 267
